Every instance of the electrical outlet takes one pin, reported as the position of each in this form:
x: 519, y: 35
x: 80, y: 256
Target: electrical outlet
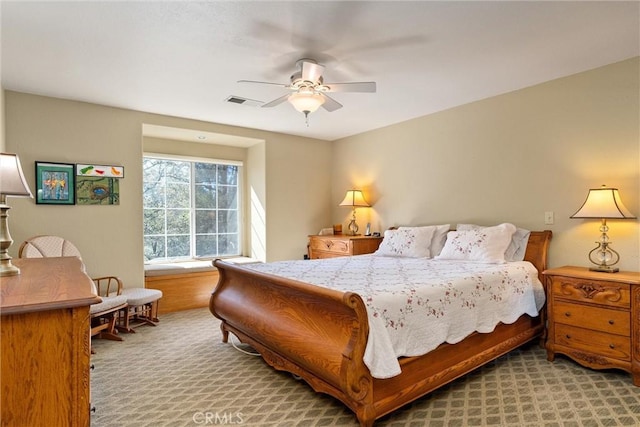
x: 548, y: 218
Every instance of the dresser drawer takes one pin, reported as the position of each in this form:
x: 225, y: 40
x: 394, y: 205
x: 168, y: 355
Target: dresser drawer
x: 338, y: 246
x: 600, y: 319
x: 592, y: 292
x: 601, y: 343
x: 315, y: 254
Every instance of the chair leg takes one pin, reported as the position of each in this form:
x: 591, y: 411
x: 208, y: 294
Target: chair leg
x: 107, y: 330
x: 146, y: 314
x: 154, y: 310
x: 122, y: 323
x: 111, y: 333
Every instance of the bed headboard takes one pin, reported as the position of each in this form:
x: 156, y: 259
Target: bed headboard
x: 537, y: 249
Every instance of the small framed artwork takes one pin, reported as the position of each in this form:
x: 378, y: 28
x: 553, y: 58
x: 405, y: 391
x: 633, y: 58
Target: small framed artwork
x: 55, y: 184
x: 96, y: 190
x: 101, y: 171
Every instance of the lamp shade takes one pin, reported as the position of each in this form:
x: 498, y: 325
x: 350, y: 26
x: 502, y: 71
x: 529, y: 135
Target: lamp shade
x: 12, y: 181
x: 603, y: 203
x: 354, y: 198
x: 306, y: 101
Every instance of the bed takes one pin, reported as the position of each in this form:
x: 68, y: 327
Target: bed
x: 321, y: 335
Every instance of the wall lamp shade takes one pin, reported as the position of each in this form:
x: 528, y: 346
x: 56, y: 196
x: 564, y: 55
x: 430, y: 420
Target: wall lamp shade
x: 603, y: 203
x: 13, y: 184
x: 355, y: 199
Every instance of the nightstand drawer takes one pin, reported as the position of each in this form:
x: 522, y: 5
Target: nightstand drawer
x: 592, y: 292
x: 601, y: 319
x: 339, y: 246
x: 601, y: 343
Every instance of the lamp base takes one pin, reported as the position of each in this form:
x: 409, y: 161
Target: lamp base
x: 353, y: 228
x: 605, y: 269
x: 8, y: 269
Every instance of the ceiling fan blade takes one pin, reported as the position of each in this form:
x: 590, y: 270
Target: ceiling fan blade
x: 311, y: 71
x: 351, y: 87
x: 330, y: 104
x: 263, y: 83
x: 276, y: 101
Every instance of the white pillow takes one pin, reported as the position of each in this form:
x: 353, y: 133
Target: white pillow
x: 487, y: 244
x: 516, y: 249
x: 438, y: 239
x: 409, y: 242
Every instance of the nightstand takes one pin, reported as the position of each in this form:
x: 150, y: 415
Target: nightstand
x: 594, y: 318
x: 337, y: 245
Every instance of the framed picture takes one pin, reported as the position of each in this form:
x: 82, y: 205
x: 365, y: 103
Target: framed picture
x: 96, y: 190
x: 55, y: 183
x: 101, y: 171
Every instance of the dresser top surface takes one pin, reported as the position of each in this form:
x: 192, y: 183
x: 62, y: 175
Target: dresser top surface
x: 46, y: 284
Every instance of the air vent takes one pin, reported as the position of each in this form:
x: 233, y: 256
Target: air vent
x: 244, y: 101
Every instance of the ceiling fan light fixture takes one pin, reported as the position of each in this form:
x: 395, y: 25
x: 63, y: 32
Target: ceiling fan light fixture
x: 306, y: 102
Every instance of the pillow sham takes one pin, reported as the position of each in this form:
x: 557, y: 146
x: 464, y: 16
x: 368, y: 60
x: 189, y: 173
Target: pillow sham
x: 486, y: 245
x: 407, y: 242
x: 517, y: 247
x: 438, y: 239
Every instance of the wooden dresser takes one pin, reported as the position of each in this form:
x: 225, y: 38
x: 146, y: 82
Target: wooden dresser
x: 336, y: 245
x: 45, y: 343
x: 594, y: 318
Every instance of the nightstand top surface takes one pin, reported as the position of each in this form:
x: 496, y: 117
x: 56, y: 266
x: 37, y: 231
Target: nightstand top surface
x: 344, y: 236
x: 632, y: 277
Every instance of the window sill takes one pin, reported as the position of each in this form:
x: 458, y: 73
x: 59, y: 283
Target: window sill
x: 185, y: 267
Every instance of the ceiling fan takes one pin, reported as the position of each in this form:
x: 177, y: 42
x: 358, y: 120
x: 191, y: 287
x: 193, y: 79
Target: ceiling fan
x: 309, y: 91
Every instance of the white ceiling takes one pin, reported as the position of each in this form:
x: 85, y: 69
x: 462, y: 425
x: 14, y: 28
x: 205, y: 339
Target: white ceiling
x: 184, y: 58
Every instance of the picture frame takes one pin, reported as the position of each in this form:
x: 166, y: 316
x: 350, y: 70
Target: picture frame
x: 101, y: 171
x: 55, y: 183
x: 97, y: 190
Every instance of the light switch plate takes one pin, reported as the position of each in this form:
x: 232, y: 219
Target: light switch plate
x: 548, y: 218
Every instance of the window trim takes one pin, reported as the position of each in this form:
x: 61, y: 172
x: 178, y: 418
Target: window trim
x: 161, y: 156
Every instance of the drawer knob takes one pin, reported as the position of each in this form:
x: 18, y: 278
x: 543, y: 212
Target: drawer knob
x: 611, y: 322
x: 568, y: 336
x: 611, y: 346
x: 568, y: 314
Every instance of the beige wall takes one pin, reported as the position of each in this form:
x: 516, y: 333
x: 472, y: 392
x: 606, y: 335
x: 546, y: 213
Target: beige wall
x: 110, y: 237
x: 2, y: 139
x: 508, y: 158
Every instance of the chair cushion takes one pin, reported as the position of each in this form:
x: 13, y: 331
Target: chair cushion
x: 107, y: 304
x: 141, y: 296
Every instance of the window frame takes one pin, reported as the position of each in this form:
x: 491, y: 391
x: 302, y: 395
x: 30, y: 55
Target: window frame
x: 193, y: 209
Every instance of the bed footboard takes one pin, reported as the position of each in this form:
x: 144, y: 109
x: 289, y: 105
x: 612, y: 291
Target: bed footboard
x: 316, y: 333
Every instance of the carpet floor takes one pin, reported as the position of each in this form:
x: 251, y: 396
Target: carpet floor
x: 179, y: 373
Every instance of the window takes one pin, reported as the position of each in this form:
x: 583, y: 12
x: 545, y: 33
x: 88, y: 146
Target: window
x: 191, y: 208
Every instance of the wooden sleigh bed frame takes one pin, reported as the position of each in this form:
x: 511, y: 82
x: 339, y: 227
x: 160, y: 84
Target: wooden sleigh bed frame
x: 320, y: 335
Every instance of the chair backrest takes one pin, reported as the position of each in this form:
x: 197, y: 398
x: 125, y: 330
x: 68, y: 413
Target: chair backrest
x: 47, y: 246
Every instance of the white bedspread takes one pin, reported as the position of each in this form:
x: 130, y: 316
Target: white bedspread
x: 416, y: 304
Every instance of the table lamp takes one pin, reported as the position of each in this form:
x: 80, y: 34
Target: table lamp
x: 12, y: 184
x: 603, y: 203
x: 354, y: 198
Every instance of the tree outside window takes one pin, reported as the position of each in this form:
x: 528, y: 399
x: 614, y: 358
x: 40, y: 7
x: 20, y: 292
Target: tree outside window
x: 191, y: 209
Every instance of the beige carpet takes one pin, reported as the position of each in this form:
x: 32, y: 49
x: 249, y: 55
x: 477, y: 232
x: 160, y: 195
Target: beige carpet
x: 180, y: 374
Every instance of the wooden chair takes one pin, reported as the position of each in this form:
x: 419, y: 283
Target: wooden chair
x: 104, y: 314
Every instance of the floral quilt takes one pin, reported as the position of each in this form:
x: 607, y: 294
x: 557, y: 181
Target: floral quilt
x: 416, y: 304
